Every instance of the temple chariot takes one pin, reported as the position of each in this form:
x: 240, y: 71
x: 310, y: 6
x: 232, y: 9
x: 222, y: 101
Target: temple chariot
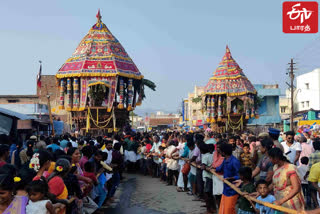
x: 229, y: 97
x: 99, y: 84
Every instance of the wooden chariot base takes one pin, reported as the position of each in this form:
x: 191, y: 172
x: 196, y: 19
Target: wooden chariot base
x: 222, y: 127
x: 101, y: 121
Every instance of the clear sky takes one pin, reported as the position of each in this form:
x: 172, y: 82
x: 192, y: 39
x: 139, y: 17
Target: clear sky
x: 176, y: 43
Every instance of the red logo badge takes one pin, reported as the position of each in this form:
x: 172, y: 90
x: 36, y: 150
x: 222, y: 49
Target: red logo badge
x: 300, y: 17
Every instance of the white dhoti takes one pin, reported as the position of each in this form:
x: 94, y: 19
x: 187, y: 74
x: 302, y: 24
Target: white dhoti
x: 125, y: 155
x: 132, y: 157
x: 217, y: 185
x: 180, y: 179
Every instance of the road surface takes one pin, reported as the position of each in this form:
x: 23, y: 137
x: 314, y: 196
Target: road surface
x: 140, y: 194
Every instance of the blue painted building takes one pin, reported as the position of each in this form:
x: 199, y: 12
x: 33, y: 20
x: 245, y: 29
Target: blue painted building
x: 268, y: 110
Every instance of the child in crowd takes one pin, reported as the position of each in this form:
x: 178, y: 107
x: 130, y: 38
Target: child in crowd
x: 89, y: 172
x: 302, y: 171
x: 245, y: 206
x: 262, y: 189
x: 246, y: 158
x: 38, y: 202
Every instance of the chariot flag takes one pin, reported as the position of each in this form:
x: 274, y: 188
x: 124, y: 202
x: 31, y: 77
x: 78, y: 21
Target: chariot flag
x: 39, y: 76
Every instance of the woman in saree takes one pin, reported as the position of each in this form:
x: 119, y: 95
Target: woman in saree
x: 84, y: 182
x: 55, y: 180
x: 285, y: 182
x: 10, y: 204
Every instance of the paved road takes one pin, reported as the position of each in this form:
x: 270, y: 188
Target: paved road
x: 140, y: 194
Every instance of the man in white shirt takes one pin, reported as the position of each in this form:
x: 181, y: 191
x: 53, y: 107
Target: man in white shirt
x: 74, y: 142
x: 155, y: 152
x: 291, y: 149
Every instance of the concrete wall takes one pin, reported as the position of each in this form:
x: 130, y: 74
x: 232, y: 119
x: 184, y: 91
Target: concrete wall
x: 49, y: 86
x: 269, y: 109
x: 308, y: 91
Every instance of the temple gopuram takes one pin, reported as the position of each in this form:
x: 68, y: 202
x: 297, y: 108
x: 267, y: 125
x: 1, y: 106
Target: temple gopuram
x: 229, y: 97
x: 99, y: 84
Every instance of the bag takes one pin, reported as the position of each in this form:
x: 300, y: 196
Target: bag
x: 89, y: 206
x: 186, y: 169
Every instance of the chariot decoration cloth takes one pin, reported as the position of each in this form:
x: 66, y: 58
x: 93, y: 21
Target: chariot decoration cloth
x: 229, y: 84
x: 228, y: 79
x: 99, y: 59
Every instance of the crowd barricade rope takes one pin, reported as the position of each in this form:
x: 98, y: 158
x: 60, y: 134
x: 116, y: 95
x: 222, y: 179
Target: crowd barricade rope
x: 249, y: 198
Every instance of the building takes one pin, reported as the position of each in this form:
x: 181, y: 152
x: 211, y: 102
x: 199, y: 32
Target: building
x: 285, y: 105
x: 308, y: 91
x: 162, y: 121
x: 25, y: 104
x: 268, y: 109
x: 192, y: 109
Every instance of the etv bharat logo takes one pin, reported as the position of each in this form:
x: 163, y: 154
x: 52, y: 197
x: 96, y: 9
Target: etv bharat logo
x: 300, y: 17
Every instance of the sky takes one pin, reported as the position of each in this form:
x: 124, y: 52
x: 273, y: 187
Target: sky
x: 175, y: 43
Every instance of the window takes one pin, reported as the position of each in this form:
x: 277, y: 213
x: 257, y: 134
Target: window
x: 307, y: 104
x: 283, y: 109
x: 307, y: 86
x: 13, y: 101
x: 302, y: 104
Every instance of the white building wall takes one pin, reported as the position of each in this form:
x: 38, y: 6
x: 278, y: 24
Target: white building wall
x: 308, y: 91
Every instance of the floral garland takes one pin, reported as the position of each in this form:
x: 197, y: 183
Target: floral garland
x: 213, y: 109
x: 121, y: 88
x: 130, y: 95
x: 35, y: 162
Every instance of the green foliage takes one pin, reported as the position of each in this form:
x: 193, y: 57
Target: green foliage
x: 197, y: 99
x: 149, y: 84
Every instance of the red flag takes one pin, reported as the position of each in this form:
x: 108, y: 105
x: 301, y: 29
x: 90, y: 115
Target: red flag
x: 39, y: 76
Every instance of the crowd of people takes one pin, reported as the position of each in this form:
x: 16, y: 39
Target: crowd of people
x: 65, y: 174
x: 275, y: 167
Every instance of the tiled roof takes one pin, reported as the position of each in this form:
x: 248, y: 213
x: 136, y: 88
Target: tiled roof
x: 163, y: 121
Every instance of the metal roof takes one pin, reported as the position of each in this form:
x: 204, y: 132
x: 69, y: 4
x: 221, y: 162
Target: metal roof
x: 16, y: 114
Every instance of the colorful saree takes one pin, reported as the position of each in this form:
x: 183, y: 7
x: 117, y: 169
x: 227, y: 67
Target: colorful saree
x: 282, y: 186
x: 18, y: 205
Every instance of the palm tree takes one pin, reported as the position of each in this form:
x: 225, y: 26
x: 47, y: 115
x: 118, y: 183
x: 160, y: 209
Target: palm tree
x: 149, y: 84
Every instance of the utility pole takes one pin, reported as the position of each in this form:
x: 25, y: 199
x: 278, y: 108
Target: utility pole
x: 291, y: 75
x: 50, y: 115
